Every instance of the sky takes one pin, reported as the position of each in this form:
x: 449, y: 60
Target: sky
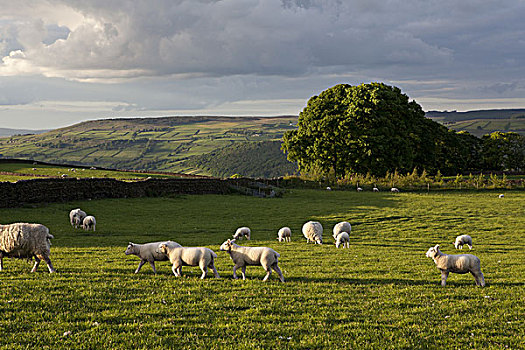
x: 63, y: 62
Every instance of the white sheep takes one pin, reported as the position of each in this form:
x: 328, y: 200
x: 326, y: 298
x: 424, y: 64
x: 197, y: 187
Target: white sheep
x: 344, y: 239
x: 343, y: 226
x: 189, y: 256
x: 375, y: 189
x: 313, y: 231
x: 284, y: 234
x: 394, y: 189
x: 76, y: 216
x: 461, y: 240
x: 242, y: 232
x: 260, y: 256
x: 501, y: 196
x: 148, y: 253
x: 461, y: 263
x: 25, y: 241
x: 89, y: 222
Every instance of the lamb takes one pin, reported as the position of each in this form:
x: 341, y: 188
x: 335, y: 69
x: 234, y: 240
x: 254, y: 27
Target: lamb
x: 25, y: 241
x: 313, y: 231
x: 284, y: 234
x: 344, y: 239
x: 148, y: 253
x: 461, y: 240
x: 461, y: 263
x: 242, y: 232
x: 394, y: 189
x: 260, y: 256
x: 76, y: 216
x: 375, y: 189
x: 89, y: 222
x: 189, y: 256
x: 342, y: 226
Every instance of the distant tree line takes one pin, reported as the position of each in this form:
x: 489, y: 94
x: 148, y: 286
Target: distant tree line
x: 374, y: 128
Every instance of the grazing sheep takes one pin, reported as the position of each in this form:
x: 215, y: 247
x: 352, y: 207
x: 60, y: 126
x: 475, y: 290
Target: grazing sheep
x: 189, y: 256
x: 359, y: 189
x: 461, y: 263
x: 89, y: 222
x: 501, y: 196
x: 260, y: 256
x: 25, y: 241
x: 76, y: 217
x: 393, y: 189
x: 313, y: 231
x: 284, y: 234
x: 461, y: 240
x: 342, y: 226
x: 328, y: 188
x: 375, y: 189
x: 344, y: 239
x: 148, y: 253
x: 242, y: 232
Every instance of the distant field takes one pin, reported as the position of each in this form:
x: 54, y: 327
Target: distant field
x: 160, y: 144
x: 480, y: 127
x: 382, y: 293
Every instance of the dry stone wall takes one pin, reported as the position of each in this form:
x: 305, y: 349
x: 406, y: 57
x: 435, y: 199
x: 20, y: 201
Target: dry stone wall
x: 61, y: 190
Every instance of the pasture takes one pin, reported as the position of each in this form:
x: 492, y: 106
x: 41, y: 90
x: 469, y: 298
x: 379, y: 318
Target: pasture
x: 381, y: 293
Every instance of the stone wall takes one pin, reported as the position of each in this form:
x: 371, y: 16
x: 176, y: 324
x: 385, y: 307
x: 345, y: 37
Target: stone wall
x: 71, y: 189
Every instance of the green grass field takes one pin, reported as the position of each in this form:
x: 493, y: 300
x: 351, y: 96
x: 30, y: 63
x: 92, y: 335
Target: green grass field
x: 382, y: 293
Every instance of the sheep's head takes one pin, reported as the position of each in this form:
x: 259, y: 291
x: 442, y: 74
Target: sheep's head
x: 433, y: 251
x: 318, y: 240
x: 227, y: 246
x: 130, y: 249
x: 163, y: 248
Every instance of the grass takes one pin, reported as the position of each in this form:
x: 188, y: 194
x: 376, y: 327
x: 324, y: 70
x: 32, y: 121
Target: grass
x: 381, y: 293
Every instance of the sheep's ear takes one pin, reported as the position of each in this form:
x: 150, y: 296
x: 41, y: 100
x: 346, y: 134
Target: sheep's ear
x: 131, y: 244
x: 436, y: 247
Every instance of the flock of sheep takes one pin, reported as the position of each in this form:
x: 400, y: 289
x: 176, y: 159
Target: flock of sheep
x: 27, y: 241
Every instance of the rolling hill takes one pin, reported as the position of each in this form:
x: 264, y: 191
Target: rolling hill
x: 160, y: 144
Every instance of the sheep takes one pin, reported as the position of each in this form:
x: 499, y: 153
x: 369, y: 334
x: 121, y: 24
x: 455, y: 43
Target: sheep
x: 89, y: 222
x: 359, y: 189
x: 242, y: 232
x: 25, y: 241
x: 260, y: 256
x: 189, y: 256
x: 375, y: 189
x: 284, y: 234
x: 461, y: 263
x: 76, y: 216
x: 342, y: 226
x: 501, y: 196
x: 394, y: 189
x: 461, y: 240
x: 344, y: 239
x: 148, y: 253
x: 313, y: 231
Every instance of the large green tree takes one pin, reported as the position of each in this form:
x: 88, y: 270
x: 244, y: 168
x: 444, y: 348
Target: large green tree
x: 366, y: 128
x: 504, y: 151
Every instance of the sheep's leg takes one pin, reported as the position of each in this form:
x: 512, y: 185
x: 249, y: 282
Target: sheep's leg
x: 268, y: 272
x: 469, y: 247
x: 142, y: 262
x: 478, y: 276
x: 235, y: 267
x: 1, y: 262
x: 278, y: 270
x: 212, y: 266
x: 204, y: 270
x: 444, y: 275
x: 49, y: 264
x: 174, y: 269
x: 243, y: 270
x: 152, y: 263
x: 37, y: 262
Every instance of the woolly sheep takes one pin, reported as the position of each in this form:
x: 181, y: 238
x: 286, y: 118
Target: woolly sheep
x: 242, y: 232
x: 284, y: 234
x: 260, y: 256
x: 394, y: 189
x: 89, y: 222
x: 344, y: 239
x: 342, y: 226
x: 76, y: 217
x: 25, y: 241
x: 189, y: 256
x: 501, y: 196
x: 375, y: 189
x: 148, y: 253
x: 461, y: 263
x: 313, y: 231
x: 461, y: 240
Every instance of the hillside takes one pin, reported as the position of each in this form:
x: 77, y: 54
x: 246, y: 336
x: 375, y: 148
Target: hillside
x: 482, y: 122
x: 155, y: 144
